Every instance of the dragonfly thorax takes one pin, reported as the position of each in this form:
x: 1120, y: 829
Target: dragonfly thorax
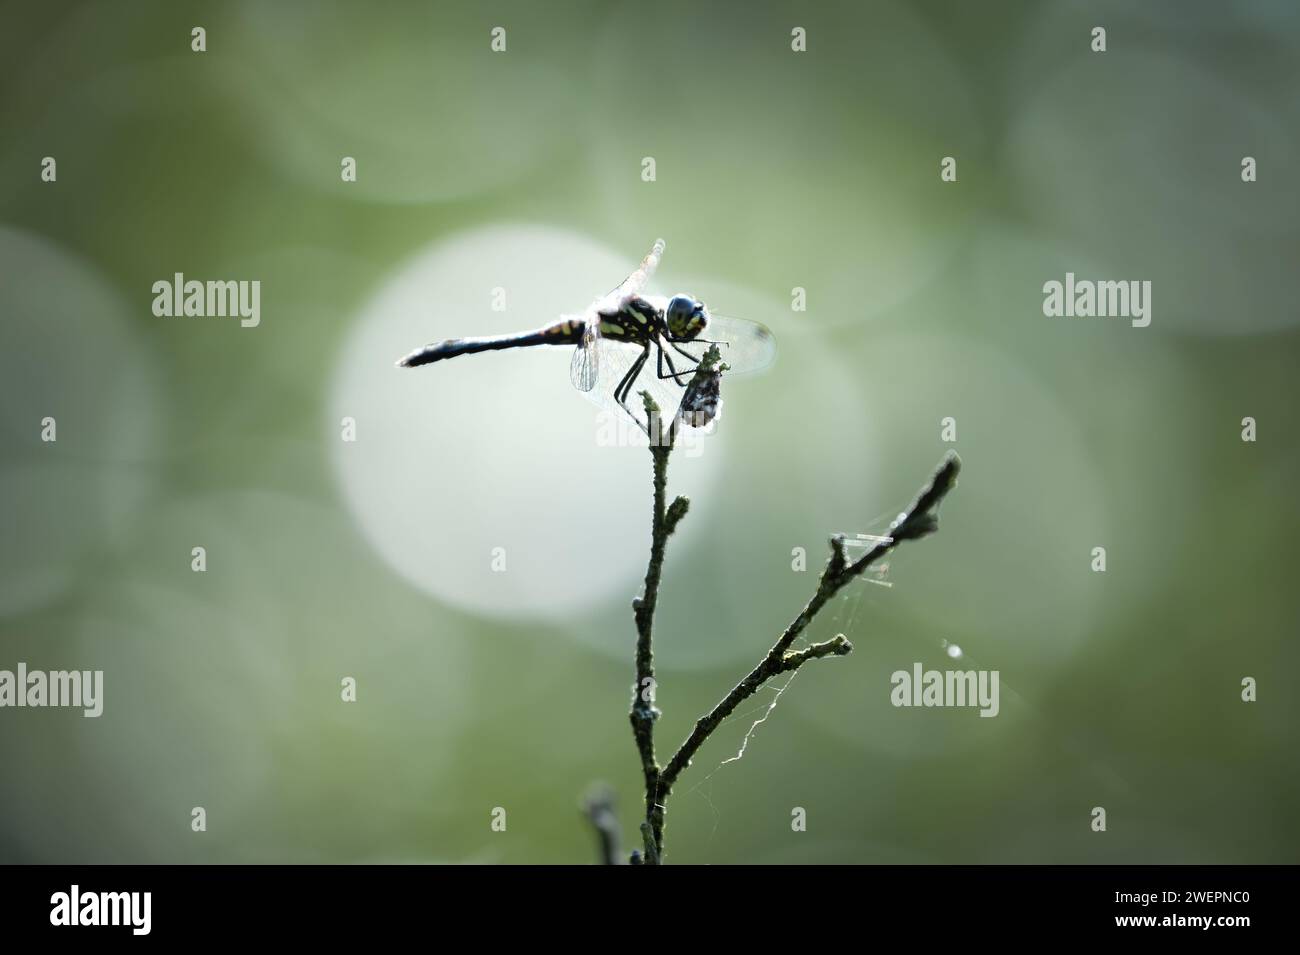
x: 633, y: 320
x: 686, y: 317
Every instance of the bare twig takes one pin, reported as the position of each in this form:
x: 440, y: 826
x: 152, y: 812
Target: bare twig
x: 837, y: 646
x: 664, y: 521
x: 916, y: 522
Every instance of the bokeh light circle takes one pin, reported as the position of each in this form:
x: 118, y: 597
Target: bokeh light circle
x: 487, y: 481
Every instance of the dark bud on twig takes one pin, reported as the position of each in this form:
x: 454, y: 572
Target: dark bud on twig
x: 676, y: 511
x: 920, y: 519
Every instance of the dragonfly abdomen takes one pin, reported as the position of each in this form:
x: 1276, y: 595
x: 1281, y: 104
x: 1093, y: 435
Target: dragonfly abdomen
x: 561, y: 333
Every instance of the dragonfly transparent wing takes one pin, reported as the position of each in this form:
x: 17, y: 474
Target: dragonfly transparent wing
x: 584, y: 367
x: 747, y: 347
x: 616, y: 361
x: 634, y: 283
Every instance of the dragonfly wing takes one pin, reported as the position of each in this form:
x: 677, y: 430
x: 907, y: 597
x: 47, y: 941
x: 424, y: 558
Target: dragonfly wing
x: 638, y: 280
x: 748, y: 346
x: 584, y: 367
x: 616, y: 361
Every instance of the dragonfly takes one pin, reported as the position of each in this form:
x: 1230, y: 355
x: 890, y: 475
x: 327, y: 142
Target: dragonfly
x: 617, y: 335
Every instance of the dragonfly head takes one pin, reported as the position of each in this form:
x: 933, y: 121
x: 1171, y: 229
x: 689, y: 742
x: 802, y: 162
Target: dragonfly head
x: 686, y: 317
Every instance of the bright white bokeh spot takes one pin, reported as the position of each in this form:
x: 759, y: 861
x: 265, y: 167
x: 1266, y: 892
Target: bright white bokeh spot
x: 495, y: 450
x: 954, y: 651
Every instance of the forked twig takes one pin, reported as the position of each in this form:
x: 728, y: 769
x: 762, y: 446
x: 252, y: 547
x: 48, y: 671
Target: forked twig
x: 916, y: 522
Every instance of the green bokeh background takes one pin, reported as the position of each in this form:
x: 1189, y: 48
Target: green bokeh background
x: 774, y: 170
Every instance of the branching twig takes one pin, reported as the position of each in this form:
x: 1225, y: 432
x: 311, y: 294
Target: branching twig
x: 916, y: 522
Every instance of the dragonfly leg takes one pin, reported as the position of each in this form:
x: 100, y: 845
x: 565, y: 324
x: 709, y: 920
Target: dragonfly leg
x: 703, y: 341
x: 672, y: 372
x: 676, y: 375
x: 625, y: 385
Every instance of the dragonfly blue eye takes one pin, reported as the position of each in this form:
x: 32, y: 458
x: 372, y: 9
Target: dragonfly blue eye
x: 683, y: 315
